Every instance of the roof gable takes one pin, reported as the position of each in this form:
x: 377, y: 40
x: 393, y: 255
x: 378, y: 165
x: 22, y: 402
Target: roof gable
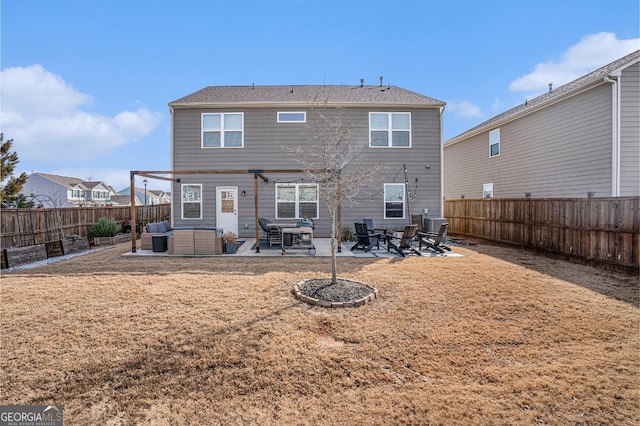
x: 69, y: 182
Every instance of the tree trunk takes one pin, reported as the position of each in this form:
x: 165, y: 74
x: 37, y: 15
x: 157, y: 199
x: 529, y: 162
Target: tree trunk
x: 334, y: 260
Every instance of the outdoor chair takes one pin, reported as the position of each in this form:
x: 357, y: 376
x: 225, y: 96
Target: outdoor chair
x: 372, y: 229
x: 263, y: 222
x: 401, y: 244
x: 275, y: 235
x: 434, y: 241
x: 365, y: 239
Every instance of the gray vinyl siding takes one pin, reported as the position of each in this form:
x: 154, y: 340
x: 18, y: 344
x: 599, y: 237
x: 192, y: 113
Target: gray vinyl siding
x: 563, y: 150
x: 630, y: 131
x: 52, y: 194
x: 265, y: 147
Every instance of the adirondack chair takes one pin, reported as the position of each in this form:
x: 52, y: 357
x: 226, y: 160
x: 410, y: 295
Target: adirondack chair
x: 401, y: 245
x: 372, y: 229
x: 434, y: 241
x: 365, y: 239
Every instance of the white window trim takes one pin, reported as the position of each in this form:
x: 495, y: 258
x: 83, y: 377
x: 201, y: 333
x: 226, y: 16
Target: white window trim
x: 404, y: 200
x: 297, y: 200
x: 182, y: 201
x: 304, y: 120
x: 390, y: 129
x: 487, y: 187
x: 494, y: 131
x: 222, y: 146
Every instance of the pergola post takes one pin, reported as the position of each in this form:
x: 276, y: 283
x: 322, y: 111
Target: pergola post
x: 255, y: 206
x: 132, y: 193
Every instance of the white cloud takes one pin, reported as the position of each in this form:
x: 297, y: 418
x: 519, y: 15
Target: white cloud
x: 464, y: 109
x: 591, y: 53
x: 44, y: 116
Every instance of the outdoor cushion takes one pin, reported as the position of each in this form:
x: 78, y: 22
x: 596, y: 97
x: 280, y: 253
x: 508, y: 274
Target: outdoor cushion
x: 153, y: 228
x: 165, y: 226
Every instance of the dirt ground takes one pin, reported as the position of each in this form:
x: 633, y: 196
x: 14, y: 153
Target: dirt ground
x: 499, y: 336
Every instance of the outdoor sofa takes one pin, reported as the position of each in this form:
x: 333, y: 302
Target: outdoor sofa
x: 154, y: 229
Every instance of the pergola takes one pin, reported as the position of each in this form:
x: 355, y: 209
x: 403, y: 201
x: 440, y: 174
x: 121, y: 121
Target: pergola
x: 257, y: 173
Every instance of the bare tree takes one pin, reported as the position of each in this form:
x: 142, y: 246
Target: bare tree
x: 334, y: 160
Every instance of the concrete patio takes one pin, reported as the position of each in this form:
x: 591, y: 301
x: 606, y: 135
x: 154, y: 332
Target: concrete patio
x: 322, y: 247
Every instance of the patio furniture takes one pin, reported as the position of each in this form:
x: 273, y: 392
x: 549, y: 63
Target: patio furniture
x: 153, y: 229
x: 372, y: 229
x: 365, y: 239
x: 275, y: 232
x: 298, y: 238
x: 433, y: 241
x: 199, y: 241
x: 402, y: 244
x: 416, y: 219
x: 264, y: 222
x: 159, y: 243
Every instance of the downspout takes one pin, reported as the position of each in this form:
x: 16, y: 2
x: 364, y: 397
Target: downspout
x: 615, y: 135
x: 441, y: 166
x: 173, y: 193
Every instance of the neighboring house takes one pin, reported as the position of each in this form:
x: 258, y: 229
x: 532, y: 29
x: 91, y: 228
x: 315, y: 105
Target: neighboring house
x: 124, y: 200
x: 152, y: 196
x: 63, y: 191
x: 158, y: 197
x: 98, y: 193
x: 581, y: 139
x: 252, y: 128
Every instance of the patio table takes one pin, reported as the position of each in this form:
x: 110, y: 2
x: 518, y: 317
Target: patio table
x: 298, y: 238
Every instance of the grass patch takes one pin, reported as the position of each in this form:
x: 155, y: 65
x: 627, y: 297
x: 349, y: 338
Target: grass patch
x: 497, y: 337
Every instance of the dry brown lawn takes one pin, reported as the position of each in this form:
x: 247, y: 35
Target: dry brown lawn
x: 499, y: 336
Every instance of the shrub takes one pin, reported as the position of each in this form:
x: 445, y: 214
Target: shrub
x: 104, y: 228
x: 230, y: 237
x: 347, y: 235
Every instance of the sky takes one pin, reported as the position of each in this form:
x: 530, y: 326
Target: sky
x: 85, y: 84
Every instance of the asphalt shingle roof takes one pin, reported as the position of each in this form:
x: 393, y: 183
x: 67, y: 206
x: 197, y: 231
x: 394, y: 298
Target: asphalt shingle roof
x: 62, y: 180
x: 306, y: 95
x: 583, y: 81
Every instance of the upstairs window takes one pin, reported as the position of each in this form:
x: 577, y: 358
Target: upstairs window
x: 494, y: 143
x: 292, y: 117
x: 296, y: 201
x: 223, y: 130
x: 390, y: 129
x: 394, y: 200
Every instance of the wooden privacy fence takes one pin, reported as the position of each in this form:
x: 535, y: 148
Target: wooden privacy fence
x: 595, y: 230
x: 27, y: 227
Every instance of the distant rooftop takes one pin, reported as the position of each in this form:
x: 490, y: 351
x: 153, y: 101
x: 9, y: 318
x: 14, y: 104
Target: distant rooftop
x: 577, y: 84
x: 306, y: 95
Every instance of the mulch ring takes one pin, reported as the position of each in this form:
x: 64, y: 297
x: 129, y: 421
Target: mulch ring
x: 343, y: 294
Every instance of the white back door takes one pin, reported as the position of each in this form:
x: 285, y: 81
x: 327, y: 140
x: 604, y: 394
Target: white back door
x: 227, y: 208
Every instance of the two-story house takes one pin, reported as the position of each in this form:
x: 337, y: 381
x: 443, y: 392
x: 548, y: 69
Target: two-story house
x: 252, y: 128
x: 64, y: 191
x: 578, y: 140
